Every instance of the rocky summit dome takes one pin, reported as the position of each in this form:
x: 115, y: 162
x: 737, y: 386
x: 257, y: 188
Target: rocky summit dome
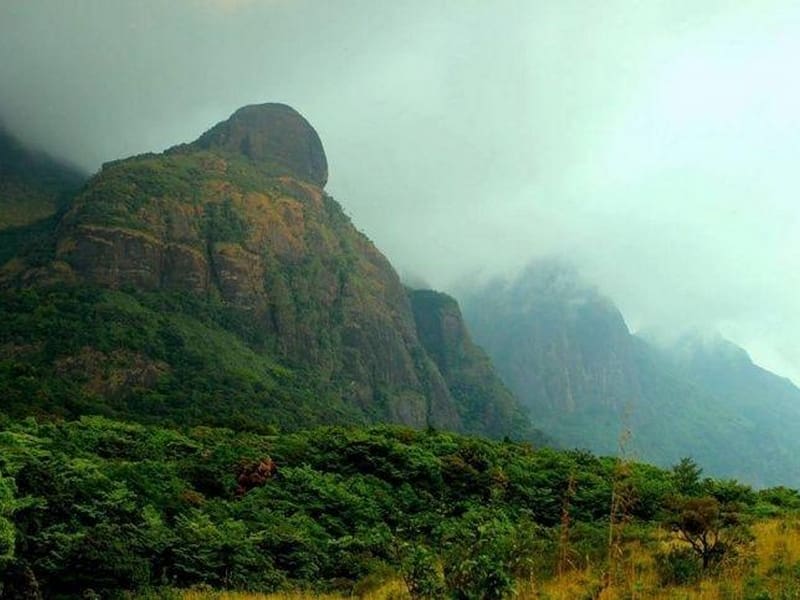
x: 274, y: 134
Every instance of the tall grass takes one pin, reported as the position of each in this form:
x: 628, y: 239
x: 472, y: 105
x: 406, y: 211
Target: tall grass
x: 767, y: 569
x: 392, y: 590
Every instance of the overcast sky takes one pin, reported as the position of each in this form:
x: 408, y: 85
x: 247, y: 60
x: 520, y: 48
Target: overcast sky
x: 656, y: 144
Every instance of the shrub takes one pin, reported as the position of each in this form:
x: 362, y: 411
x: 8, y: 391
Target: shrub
x: 421, y: 573
x: 678, y: 566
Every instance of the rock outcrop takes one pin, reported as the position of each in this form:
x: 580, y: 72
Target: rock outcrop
x: 483, y: 400
x: 239, y: 220
x: 274, y: 136
x: 557, y: 340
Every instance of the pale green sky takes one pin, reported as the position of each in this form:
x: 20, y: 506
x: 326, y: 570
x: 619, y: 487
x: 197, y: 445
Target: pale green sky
x: 653, y: 143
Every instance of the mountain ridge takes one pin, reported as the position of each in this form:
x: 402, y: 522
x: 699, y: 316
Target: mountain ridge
x: 567, y: 353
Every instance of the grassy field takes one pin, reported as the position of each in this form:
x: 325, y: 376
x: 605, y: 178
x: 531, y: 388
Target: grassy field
x: 766, y: 569
x: 390, y: 591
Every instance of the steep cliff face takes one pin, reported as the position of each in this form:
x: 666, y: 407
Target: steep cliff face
x: 766, y: 405
x: 560, y: 345
x: 482, y: 398
x: 237, y: 226
x: 240, y: 217
x: 566, y: 352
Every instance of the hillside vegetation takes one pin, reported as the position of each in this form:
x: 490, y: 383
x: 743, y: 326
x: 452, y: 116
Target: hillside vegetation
x: 767, y: 570
x: 109, y: 506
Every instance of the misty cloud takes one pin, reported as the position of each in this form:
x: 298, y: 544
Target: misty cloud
x: 655, y: 144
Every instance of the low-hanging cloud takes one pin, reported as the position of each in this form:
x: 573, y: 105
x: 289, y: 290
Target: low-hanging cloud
x: 653, y: 143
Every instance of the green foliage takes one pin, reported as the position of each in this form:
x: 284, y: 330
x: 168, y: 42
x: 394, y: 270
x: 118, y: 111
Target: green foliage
x: 7, y: 530
x: 776, y: 500
x: 34, y: 241
x: 421, y: 573
x: 730, y: 492
x: 152, y: 357
x: 223, y: 223
x: 686, y: 477
x: 649, y: 486
x: 711, y: 529
x: 678, y: 566
x: 109, y: 506
x: 481, y: 552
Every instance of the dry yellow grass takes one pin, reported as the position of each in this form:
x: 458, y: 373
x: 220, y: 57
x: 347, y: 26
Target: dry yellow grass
x: 392, y: 589
x: 775, y: 549
x: 193, y: 595
x: 777, y: 540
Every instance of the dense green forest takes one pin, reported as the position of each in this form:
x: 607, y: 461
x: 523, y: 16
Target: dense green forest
x: 148, y: 356
x: 108, y: 506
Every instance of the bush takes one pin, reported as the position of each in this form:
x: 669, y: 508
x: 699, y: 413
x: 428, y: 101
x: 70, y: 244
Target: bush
x: 678, y: 566
x: 421, y: 573
x: 479, y: 556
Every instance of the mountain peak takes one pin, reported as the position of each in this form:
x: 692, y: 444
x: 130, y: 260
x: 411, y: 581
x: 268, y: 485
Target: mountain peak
x: 698, y: 346
x: 274, y: 134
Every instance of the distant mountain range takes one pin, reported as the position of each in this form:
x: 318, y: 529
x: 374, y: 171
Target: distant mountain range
x: 567, y: 353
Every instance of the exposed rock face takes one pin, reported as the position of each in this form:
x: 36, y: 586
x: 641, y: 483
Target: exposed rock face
x: 114, y: 374
x: 483, y: 399
x: 252, y: 285
x: 562, y: 346
x: 272, y: 134
x: 116, y: 258
x: 441, y: 329
x: 240, y: 217
x: 567, y: 353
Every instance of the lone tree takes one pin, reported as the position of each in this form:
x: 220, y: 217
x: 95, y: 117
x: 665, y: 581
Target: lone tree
x: 686, y: 477
x: 710, y: 528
